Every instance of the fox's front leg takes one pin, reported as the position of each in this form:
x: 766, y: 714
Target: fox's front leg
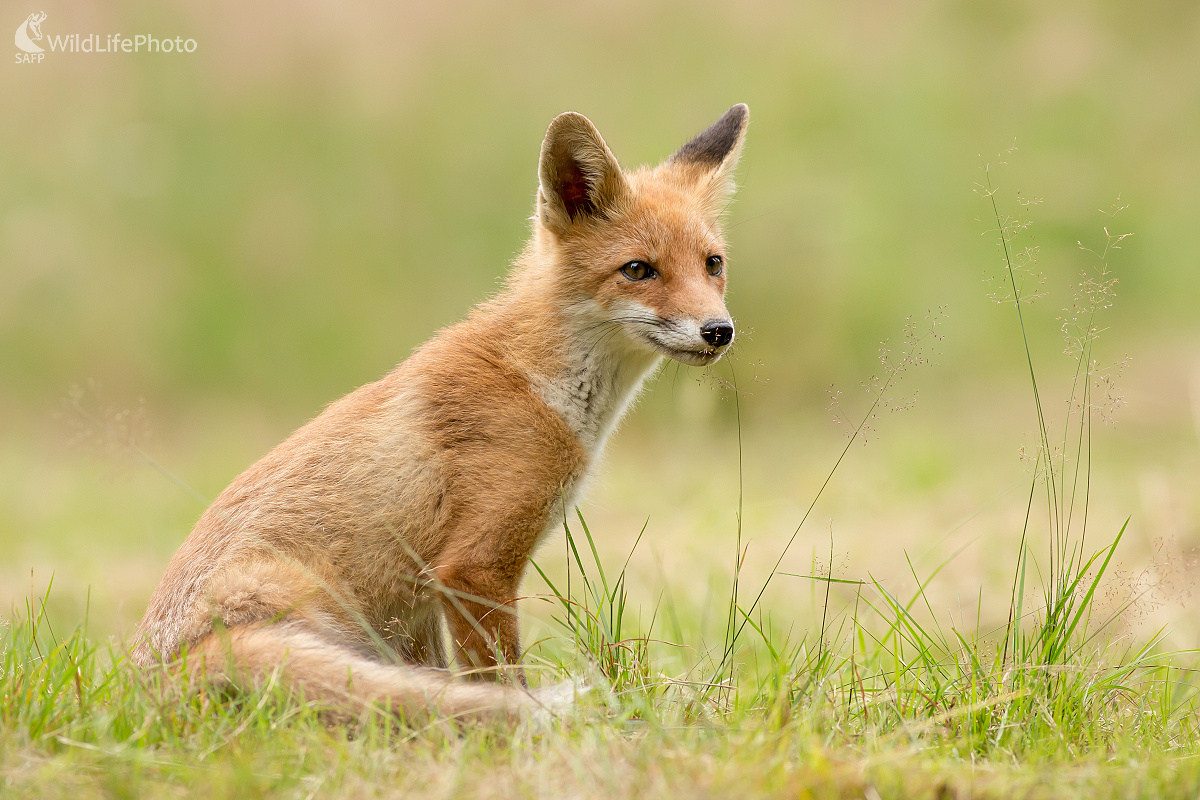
x: 480, y: 606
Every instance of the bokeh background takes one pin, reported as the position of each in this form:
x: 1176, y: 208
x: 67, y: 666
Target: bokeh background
x: 198, y: 251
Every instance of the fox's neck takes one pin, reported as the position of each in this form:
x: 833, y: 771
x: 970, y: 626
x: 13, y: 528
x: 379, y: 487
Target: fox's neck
x: 600, y: 375
x: 581, y: 365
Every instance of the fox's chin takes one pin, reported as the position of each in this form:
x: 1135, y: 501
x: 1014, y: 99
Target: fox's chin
x: 693, y: 358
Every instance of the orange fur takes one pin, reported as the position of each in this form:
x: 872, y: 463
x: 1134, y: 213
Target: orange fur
x: 420, y: 497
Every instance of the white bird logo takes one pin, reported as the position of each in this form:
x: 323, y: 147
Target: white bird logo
x: 31, y: 31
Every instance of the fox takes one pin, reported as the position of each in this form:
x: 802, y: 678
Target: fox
x: 390, y: 534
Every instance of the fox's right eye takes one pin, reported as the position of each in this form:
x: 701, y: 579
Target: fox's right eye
x: 638, y: 271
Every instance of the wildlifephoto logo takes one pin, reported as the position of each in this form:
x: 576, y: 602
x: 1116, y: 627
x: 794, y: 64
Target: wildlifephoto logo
x: 29, y: 34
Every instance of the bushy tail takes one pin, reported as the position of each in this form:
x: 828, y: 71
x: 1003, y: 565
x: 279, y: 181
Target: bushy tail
x: 341, y: 679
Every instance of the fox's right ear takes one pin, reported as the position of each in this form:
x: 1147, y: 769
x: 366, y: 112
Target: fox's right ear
x: 578, y: 175
x: 710, y: 158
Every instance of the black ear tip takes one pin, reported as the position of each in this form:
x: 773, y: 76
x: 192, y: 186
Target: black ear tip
x: 735, y: 118
x: 717, y: 140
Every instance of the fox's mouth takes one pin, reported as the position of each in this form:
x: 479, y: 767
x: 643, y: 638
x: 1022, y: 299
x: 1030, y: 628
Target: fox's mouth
x: 693, y: 358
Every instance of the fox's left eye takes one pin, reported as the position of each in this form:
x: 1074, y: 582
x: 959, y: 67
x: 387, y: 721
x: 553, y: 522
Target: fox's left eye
x: 715, y: 265
x: 638, y: 271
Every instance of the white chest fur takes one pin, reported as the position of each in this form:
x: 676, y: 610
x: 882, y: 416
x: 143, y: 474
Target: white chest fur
x: 602, y: 375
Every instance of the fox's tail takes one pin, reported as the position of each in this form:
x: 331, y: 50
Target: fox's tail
x: 337, y: 677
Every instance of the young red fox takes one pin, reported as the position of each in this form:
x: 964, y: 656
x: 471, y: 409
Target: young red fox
x: 420, y: 497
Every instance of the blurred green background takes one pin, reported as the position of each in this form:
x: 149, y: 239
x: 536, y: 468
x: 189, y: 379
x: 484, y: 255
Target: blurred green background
x: 212, y: 246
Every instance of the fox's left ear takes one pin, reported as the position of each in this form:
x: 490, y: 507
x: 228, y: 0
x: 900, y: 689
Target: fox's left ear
x: 579, y: 178
x: 710, y: 158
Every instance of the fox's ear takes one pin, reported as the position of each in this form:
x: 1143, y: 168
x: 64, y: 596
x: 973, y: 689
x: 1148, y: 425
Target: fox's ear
x: 579, y: 176
x: 710, y: 158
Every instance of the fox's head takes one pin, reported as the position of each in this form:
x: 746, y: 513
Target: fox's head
x: 641, y: 253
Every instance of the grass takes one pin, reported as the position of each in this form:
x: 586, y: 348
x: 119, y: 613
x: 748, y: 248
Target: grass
x: 882, y: 697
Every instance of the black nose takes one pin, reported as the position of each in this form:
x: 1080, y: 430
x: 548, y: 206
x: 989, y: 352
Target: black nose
x: 718, y: 333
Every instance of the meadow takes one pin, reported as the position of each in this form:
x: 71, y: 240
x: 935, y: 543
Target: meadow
x: 913, y: 537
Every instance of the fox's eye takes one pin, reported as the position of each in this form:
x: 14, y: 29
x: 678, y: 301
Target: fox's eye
x: 638, y: 271
x: 715, y: 265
